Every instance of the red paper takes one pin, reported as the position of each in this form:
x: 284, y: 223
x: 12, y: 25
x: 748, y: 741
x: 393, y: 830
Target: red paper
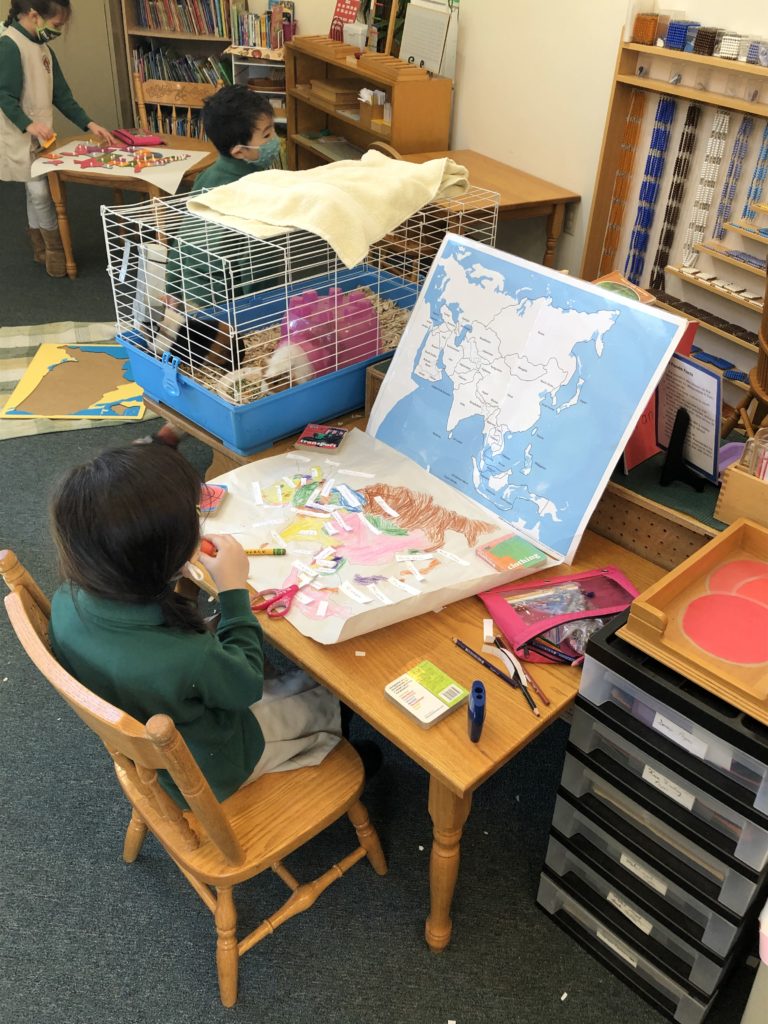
x: 346, y: 10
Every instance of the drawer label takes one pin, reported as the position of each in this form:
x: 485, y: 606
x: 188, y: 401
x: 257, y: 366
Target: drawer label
x: 668, y: 787
x: 632, y: 915
x: 679, y: 736
x: 617, y: 947
x: 643, y: 874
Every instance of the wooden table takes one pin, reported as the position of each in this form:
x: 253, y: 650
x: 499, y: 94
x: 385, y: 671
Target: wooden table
x: 456, y: 767
x: 130, y: 182
x: 521, y: 195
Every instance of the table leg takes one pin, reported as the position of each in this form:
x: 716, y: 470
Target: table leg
x: 59, y: 201
x: 555, y: 222
x: 449, y: 813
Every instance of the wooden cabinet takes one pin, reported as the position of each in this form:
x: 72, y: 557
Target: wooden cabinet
x: 420, y: 103
x: 196, y: 32
x: 725, y: 293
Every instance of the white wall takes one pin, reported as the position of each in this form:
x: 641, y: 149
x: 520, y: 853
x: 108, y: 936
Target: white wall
x: 533, y: 82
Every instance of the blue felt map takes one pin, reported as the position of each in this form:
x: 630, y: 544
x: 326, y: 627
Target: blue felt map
x: 519, y: 386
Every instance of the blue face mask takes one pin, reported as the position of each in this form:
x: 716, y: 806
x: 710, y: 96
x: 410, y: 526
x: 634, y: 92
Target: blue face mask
x: 268, y: 153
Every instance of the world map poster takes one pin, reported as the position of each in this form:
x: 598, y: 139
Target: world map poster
x: 519, y: 387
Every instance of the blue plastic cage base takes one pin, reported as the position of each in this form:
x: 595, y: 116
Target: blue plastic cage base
x: 247, y: 429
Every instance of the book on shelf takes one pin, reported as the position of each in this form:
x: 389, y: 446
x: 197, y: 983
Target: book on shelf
x: 195, y: 17
x: 270, y: 30
x: 158, y: 62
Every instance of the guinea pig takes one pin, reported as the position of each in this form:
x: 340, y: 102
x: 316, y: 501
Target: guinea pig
x: 196, y: 340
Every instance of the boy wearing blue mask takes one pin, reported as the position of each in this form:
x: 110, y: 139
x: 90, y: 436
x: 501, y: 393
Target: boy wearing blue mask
x: 240, y: 124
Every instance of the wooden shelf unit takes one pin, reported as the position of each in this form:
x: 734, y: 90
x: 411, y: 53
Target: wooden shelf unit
x: 421, y: 105
x: 634, y: 63
x: 196, y: 44
x: 626, y: 80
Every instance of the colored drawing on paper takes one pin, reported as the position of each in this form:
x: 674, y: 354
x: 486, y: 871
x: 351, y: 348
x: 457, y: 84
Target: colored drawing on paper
x: 729, y: 627
x: 77, y: 382
x: 378, y: 537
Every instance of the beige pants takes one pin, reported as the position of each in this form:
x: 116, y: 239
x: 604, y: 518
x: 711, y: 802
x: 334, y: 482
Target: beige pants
x: 301, y: 723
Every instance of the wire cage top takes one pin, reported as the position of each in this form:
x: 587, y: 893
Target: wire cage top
x: 246, y: 318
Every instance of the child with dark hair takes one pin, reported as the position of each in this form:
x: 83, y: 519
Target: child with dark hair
x: 240, y: 124
x: 126, y: 525
x: 31, y: 85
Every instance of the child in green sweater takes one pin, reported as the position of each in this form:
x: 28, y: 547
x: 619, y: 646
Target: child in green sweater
x: 31, y: 85
x: 240, y: 124
x: 126, y: 526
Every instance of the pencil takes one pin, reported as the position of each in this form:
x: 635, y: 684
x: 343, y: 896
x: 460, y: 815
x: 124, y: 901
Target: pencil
x: 486, y: 664
x: 265, y: 551
x: 522, y: 675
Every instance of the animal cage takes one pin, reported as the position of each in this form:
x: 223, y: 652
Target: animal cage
x: 252, y: 338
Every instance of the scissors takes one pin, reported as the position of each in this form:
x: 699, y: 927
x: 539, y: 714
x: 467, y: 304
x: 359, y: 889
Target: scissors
x: 277, y: 603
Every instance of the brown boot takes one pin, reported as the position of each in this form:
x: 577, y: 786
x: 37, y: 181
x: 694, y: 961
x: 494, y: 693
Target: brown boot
x: 38, y: 244
x: 55, y: 262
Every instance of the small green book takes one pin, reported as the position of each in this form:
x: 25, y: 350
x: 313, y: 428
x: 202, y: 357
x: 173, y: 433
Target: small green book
x: 510, y: 552
x: 426, y: 693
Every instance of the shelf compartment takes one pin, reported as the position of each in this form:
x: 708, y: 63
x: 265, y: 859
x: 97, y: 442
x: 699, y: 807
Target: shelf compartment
x: 305, y: 95
x: 756, y: 307
x: 161, y: 33
x: 718, y: 252
x: 712, y: 99
x: 740, y: 229
x: 698, y: 58
x: 709, y: 327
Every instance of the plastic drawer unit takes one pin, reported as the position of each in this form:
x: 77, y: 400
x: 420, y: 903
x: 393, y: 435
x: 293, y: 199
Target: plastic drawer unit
x: 671, y: 998
x: 720, y: 743
x: 612, y: 903
x: 689, y: 805
x: 662, y: 886
x: 721, y: 877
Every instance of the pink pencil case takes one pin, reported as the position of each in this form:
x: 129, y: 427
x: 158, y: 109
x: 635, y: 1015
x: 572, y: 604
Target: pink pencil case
x: 550, y: 620
x: 131, y: 138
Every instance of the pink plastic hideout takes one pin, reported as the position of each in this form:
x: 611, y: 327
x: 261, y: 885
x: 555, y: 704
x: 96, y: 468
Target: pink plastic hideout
x: 333, y: 331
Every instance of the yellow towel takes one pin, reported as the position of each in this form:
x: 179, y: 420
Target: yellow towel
x: 350, y: 203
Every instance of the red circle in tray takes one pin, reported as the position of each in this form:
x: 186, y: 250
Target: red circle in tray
x: 728, y: 626
x: 756, y: 590
x: 729, y: 577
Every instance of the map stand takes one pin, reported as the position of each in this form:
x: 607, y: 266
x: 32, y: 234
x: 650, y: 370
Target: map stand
x: 674, y: 467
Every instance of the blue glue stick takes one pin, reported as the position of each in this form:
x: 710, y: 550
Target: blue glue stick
x: 476, y: 710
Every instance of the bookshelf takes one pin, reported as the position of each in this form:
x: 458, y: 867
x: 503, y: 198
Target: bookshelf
x: 176, y: 42
x: 420, y: 103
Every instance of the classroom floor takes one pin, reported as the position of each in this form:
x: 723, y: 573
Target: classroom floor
x: 85, y: 938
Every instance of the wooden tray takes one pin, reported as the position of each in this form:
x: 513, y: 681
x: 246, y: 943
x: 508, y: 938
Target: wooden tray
x: 662, y: 619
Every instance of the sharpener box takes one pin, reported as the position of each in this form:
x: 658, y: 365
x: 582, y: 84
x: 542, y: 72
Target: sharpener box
x: 658, y: 855
x: 247, y: 428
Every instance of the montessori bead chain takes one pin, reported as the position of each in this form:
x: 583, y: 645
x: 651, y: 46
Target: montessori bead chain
x: 676, y: 192
x: 706, y: 188
x: 649, y: 189
x: 732, y: 176
x: 755, y: 192
x: 622, y: 181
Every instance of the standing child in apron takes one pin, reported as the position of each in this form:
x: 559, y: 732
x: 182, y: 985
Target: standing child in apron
x: 31, y: 85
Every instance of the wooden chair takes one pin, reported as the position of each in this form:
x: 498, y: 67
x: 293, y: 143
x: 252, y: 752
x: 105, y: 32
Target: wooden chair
x: 182, y: 97
x: 214, y: 845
